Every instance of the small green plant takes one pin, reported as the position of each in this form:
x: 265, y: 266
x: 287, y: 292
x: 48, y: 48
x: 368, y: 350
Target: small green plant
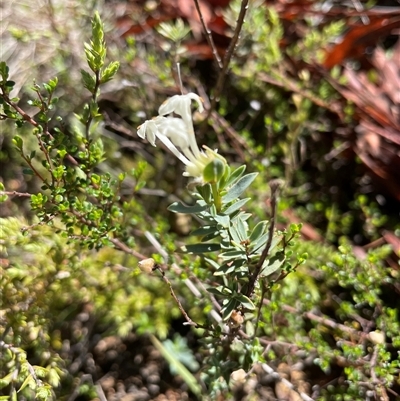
x: 252, y: 257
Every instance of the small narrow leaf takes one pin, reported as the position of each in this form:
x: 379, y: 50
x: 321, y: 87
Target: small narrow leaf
x: 258, y: 230
x: 29, y: 380
x: 17, y: 140
x: 200, y: 248
x: 239, y: 188
x: 210, y: 236
x: 227, y: 268
x: 213, y: 263
x: 234, y: 234
x: 205, y: 230
x: 241, y: 227
x: 236, y: 206
x: 205, y: 192
x: 88, y: 81
x: 220, y: 290
x: 223, y: 220
x: 273, y: 264
x: 178, y: 207
x: 245, y: 301
x: 237, y: 254
x: 109, y: 72
x: 235, y: 175
x: 229, y: 308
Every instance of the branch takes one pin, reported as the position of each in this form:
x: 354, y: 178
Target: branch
x: 31, y: 121
x: 181, y: 308
x: 229, y: 54
x: 15, y: 193
x: 322, y: 320
x: 125, y: 248
x: 208, y: 36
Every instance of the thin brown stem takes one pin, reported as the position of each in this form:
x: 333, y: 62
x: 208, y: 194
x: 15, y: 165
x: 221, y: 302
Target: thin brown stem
x: 31, y: 121
x: 229, y: 54
x: 125, y: 248
x: 15, y: 193
x: 186, y: 316
x: 322, y: 320
x: 209, y: 38
x: 33, y: 168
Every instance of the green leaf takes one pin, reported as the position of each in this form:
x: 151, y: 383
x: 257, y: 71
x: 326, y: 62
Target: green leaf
x: 211, y: 262
x: 88, y: 81
x: 18, y: 142
x: 273, y: 264
x: 245, y: 301
x: 258, y: 230
x: 109, y: 72
x: 4, y: 197
x: 205, y: 192
x: 236, y: 254
x: 174, y: 32
x: 229, y: 267
x: 178, y: 207
x: 51, y: 85
x: 200, y: 248
x: 210, y: 236
x: 239, y: 188
x: 96, y: 50
x: 295, y: 228
x: 27, y: 171
x: 205, y: 230
x: 235, y: 175
x: 241, y: 228
x: 261, y: 241
x: 4, y: 71
x: 6, y: 380
x: 234, y: 207
x: 220, y: 290
x: 27, y: 382
x: 224, y: 221
x: 189, y: 379
x: 229, y: 308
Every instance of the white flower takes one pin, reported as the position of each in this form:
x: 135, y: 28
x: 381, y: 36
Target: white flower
x: 177, y: 133
x: 149, y: 131
x: 163, y: 128
x: 181, y: 105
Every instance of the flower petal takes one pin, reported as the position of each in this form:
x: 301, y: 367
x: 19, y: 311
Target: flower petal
x: 173, y: 149
x: 175, y: 130
x: 149, y: 131
x: 197, y: 99
x: 180, y: 104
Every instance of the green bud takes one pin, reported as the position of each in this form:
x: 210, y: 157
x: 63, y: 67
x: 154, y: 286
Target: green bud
x: 214, y: 171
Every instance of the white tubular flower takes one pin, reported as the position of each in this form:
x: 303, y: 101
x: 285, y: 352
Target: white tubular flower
x: 181, y: 105
x: 177, y: 133
x: 161, y: 127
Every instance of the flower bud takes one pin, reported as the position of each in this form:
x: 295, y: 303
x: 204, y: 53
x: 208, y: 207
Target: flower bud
x: 147, y: 265
x: 214, y: 171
